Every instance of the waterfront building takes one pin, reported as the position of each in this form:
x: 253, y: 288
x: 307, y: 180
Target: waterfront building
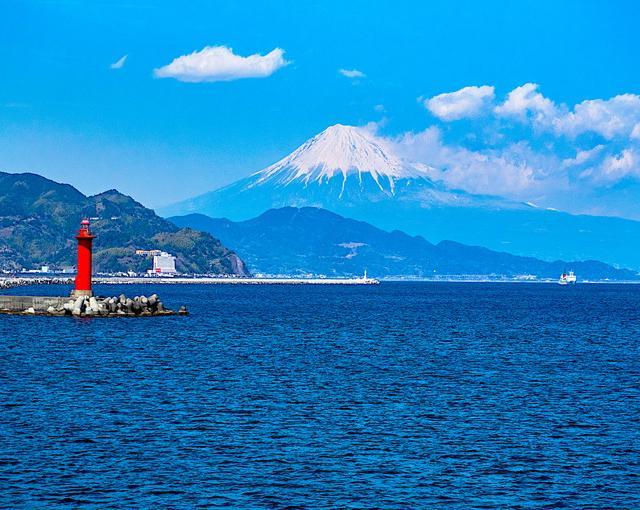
x: 164, y: 264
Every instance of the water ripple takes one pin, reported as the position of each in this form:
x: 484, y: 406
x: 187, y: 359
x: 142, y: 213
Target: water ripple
x: 391, y: 396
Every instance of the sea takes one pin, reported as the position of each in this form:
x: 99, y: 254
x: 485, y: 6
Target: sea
x: 392, y: 396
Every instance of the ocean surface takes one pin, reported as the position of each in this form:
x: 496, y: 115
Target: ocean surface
x: 402, y: 395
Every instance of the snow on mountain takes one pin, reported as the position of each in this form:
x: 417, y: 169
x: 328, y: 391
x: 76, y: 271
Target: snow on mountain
x: 343, y: 166
x: 340, y: 150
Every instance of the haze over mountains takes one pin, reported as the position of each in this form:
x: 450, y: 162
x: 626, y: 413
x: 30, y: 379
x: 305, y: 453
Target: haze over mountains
x: 308, y: 240
x: 349, y: 171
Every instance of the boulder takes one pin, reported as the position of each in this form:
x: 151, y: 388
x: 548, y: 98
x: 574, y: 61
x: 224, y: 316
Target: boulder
x: 79, y: 303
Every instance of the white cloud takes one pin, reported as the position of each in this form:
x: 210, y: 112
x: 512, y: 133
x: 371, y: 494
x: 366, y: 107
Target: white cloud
x: 583, y: 157
x: 381, y: 109
x: 526, y: 100
x: 515, y: 171
x: 464, y: 103
x: 119, y: 64
x: 352, y: 73
x: 611, y: 118
x: 219, y: 63
x: 618, y: 166
x: 546, y: 162
x: 617, y: 117
x: 374, y: 127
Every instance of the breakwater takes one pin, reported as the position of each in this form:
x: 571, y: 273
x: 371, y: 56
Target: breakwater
x: 121, y: 306
x: 236, y: 281
x: 18, y: 304
x: 8, y: 283
x: 85, y: 306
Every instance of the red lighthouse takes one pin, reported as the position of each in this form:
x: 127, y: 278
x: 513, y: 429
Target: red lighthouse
x: 83, y: 278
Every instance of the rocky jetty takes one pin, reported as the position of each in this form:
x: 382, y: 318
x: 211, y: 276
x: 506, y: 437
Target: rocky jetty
x: 83, y: 306
x: 139, y: 306
x: 7, y: 283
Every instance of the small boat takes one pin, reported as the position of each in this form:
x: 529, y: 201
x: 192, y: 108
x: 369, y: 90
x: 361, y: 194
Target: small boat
x: 567, y: 278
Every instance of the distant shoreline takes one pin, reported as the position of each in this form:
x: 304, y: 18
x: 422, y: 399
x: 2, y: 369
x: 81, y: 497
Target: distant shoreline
x: 7, y: 283
x: 236, y: 281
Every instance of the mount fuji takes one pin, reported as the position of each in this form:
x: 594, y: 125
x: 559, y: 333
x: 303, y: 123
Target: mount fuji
x: 351, y: 172
x: 342, y: 168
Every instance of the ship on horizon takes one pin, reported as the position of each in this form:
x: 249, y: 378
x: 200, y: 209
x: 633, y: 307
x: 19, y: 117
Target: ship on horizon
x: 567, y: 278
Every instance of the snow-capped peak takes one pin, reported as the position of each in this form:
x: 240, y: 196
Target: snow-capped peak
x: 338, y: 150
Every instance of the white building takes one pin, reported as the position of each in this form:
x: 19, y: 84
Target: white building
x: 164, y: 263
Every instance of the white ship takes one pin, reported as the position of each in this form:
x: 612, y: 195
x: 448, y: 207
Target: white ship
x: 567, y: 278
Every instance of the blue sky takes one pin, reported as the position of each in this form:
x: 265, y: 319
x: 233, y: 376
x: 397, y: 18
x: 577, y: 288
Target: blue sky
x: 65, y: 113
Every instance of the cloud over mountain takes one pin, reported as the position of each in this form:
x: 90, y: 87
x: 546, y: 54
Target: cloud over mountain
x: 514, y: 171
x: 610, y: 118
x: 220, y: 63
x: 531, y: 147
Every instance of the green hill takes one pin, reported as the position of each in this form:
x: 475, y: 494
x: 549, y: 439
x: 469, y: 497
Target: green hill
x: 39, y: 219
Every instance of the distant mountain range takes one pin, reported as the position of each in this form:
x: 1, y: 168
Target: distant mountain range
x: 39, y: 219
x: 298, y: 241
x: 350, y: 172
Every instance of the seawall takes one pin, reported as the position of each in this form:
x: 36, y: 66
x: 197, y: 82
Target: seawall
x: 85, y: 306
x: 8, y: 283
x: 235, y: 281
x: 38, y: 303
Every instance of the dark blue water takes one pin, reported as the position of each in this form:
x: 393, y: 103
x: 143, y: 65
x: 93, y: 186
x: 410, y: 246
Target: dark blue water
x: 407, y: 395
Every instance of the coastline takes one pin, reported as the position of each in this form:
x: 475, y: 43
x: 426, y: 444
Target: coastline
x: 8, y: 283
x: 236, y: 281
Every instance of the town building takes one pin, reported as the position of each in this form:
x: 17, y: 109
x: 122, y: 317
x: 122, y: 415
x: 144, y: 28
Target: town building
x: 163, y: 264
